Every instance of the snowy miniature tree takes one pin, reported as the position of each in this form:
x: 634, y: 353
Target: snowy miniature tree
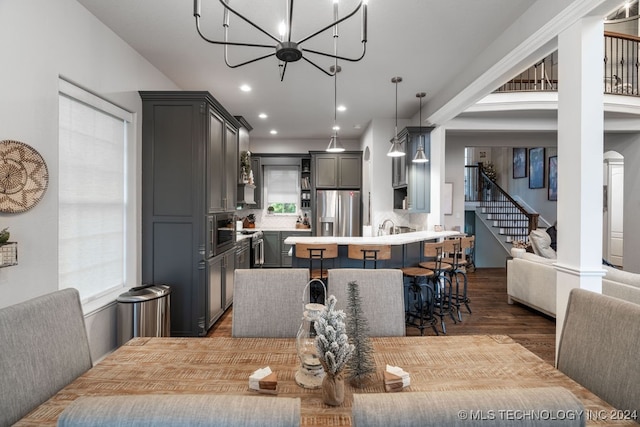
x: 361, y: 365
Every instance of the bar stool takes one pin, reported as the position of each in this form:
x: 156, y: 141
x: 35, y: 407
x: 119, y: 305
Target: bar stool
x: 468, y: 246
x: 442, y: 284
x: 366, y: 253
x: 452, y: 248
x: 317, y: 252
x: 420, y: 299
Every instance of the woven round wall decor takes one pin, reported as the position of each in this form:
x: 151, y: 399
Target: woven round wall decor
x: 23, y: 176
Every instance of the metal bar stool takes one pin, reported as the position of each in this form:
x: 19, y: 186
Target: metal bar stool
x: 366, y: 253
x: 453, y: 249
x: 420, y: 299
x: 442, y: 284
x: 317, y: 252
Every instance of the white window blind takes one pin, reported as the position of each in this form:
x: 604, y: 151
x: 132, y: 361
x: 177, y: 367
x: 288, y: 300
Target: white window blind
x: 92, y: 193
x: 282, y: 184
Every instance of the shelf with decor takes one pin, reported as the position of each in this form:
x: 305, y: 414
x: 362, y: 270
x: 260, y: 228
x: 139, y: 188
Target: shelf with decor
x: 305, y: 184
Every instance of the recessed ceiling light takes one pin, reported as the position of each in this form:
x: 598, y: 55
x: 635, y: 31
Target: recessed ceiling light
x: 341, y: 108
x: 336, y: 127
x: 273, y: 132
x: 262, y: 115
x: 245, y: 88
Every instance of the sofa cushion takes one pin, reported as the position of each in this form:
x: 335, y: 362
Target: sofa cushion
x: 537, y: 258
x: 541, y: 244
x: 615, y: 275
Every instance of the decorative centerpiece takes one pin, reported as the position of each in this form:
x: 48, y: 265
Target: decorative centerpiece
x: 310, y: 374
x: 245, y: 165
x: 334, y: 351
x: 361, y: 364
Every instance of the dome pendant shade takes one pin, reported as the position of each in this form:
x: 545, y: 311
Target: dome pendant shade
x: 334, y: 145
x: 396, y: 149
x: 420, y: 157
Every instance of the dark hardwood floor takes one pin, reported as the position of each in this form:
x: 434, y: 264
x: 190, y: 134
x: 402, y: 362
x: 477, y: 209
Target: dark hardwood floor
x: 491, y: 315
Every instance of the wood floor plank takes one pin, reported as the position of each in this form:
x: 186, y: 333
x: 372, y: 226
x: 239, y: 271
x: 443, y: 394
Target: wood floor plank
x: 487, y: 290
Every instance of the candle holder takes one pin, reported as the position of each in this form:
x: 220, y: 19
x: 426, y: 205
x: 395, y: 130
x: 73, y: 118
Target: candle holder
x: 310, y: 373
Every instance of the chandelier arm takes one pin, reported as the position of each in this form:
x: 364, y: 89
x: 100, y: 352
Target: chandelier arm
x: 283, y: 70
x: 226, y: 61
x: 318, y: 67
x: 248, y: 21
x: 330, y: 55
x: 333, y: 24
x: 227, y: 42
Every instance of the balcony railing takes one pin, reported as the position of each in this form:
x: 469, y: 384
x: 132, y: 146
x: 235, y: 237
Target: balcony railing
x: 621, y: 65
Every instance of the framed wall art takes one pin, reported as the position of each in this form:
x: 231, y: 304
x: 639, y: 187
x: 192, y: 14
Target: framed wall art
x: 519, y: 162
x: 553, y: 178
x: 536, y: 167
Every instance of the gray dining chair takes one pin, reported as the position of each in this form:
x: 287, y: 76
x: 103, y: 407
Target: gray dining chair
x: 599, y: 345
x: 164, y: 410
x: 381, y: 295
x: 462, y: 407
x: 268, y: 302
x: 43, y: 348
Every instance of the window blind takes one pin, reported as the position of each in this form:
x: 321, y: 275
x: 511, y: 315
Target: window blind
x: 92, y: 195
x: 282, y: 184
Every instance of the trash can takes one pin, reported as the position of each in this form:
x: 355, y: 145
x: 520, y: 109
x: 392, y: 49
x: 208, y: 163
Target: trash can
x: 144, y: 311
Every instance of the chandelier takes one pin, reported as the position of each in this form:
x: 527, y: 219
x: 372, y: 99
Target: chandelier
x: 284, y: 48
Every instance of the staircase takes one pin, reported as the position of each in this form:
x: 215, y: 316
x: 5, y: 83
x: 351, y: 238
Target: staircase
x: 506, y: 218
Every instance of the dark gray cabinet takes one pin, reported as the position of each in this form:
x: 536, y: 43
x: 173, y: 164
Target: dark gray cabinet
x: 414, y: 194
x: 188, y: 139
x: 399, y: 171
x: 286, y: 259
x: 272, y: 251
x: 229, y: 267
x: 337, y: 170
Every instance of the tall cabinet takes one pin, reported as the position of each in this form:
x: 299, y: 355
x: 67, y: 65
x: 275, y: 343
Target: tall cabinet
x: 189, y: 171
x: 412, y: 181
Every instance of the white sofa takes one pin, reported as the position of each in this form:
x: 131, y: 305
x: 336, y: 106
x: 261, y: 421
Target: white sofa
x: 531, y: 280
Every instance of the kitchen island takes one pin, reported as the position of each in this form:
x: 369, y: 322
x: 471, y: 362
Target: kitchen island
x: 406, y: 248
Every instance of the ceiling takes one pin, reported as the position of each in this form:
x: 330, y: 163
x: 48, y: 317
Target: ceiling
x: 430, y: 43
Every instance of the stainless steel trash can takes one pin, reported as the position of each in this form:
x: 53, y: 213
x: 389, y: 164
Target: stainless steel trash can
x: 144, y: 311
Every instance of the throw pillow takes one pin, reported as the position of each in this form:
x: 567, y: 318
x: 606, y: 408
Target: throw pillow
x: 541, y: 243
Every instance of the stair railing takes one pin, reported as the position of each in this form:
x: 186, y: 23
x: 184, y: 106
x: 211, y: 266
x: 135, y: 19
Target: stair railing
x: 505, y: 209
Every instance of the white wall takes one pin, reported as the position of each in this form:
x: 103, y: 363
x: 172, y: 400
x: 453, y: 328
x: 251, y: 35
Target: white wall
x: 297, y: 146
x: 41, y: 40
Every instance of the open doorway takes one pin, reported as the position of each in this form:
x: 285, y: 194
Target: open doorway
x: 613, y: 208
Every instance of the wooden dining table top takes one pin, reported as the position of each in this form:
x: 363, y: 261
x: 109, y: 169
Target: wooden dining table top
x: 223, y: 366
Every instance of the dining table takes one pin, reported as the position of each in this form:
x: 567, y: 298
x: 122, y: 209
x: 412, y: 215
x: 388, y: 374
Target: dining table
x: 222, y: 365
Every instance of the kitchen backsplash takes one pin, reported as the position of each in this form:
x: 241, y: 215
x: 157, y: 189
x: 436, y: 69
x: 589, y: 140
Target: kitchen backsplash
x: 264, y: 220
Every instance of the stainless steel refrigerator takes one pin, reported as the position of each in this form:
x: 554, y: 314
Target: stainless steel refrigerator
x: 338, y: 213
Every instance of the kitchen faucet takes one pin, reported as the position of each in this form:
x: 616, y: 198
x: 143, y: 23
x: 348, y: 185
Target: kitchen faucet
x: 381, y: 228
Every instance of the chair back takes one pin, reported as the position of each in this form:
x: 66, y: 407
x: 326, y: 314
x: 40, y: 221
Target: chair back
x: 599, y: 347
x: 43, y: 348
x: 433, y: 251
x: 168, y: 410
x: 266, y: 302
x: 366, y: 253
x: 316, y: 250
x: 381, y: 296
x: 452, y: 247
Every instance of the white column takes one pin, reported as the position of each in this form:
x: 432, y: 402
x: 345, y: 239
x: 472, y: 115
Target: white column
x: 580, y: 156
x: 437, y: 159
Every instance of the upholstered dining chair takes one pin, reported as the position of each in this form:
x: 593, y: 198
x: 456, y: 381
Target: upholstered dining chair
x: 268, y: 302
x: 381, y: 294
x: 599, y: 347
x: 43, y: 348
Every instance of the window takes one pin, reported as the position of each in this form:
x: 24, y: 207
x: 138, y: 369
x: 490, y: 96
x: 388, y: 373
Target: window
x: 281, y: 187
x: 94, y: 211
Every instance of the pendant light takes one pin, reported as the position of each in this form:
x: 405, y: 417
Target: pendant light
x: 420, y: 156
x: 335, y: 146
x: 396, y: 149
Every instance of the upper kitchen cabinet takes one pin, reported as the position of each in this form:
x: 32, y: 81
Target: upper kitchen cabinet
x: 413, y: 193
x: 246, y: 186
x: 337, y: 170
x: 189, y: 169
